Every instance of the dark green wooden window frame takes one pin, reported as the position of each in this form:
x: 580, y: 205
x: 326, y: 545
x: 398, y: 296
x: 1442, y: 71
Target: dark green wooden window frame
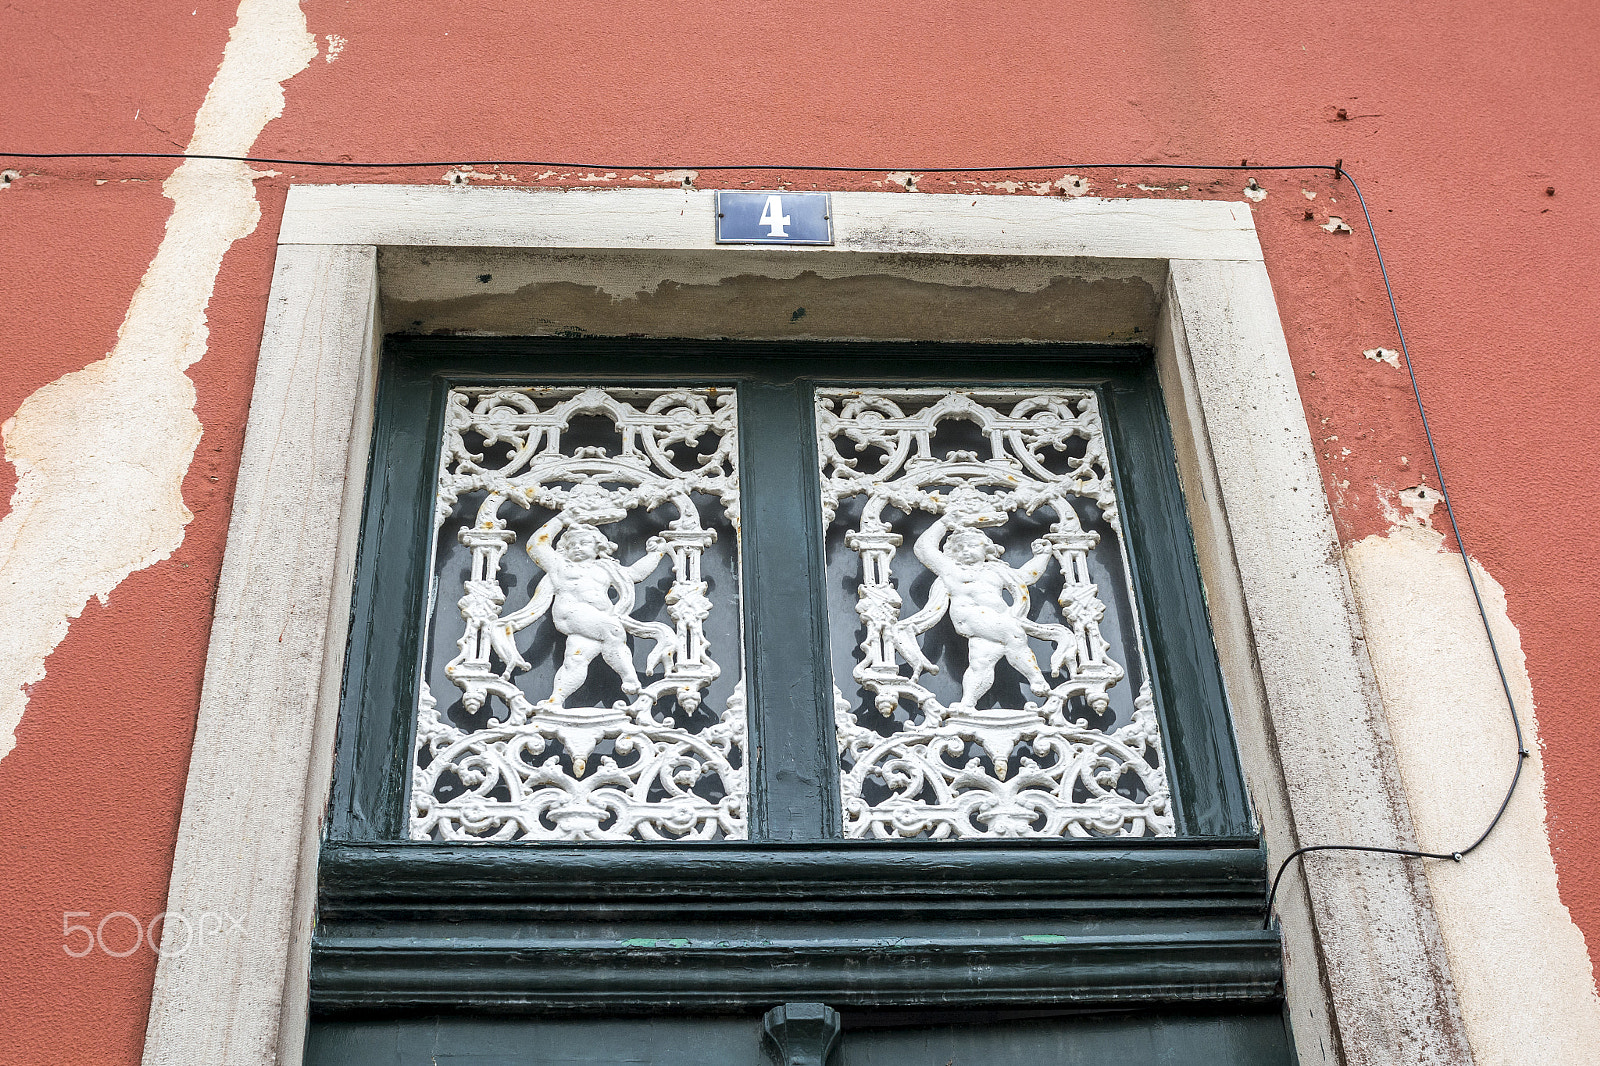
x: 645, y: 927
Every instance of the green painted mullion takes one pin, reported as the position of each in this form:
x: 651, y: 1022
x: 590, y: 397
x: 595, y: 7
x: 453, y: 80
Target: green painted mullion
x: 794, y: 774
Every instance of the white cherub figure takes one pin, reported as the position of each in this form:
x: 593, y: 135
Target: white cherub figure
x: 972, y: 584
x: 577, y: 589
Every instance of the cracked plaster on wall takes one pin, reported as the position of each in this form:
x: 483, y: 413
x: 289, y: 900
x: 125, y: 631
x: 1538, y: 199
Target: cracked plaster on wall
x: 120, y: 433
x: 1520, y: 965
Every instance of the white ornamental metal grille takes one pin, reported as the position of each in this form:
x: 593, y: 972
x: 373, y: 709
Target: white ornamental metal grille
x: 955, y: 730
x: 586, y: 578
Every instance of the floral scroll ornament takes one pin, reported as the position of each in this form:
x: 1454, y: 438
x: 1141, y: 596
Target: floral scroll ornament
x: 1024, y: 768
x: 527, y: 774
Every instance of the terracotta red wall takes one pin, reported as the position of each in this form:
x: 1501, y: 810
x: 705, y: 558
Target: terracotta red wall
x: 1459, y: 117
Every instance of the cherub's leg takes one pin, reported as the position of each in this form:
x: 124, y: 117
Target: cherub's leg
x: 574, y: 668
x: 619, y: 658
x: 506, y: 648
x: 981, y: 657
x: 1021, y: 656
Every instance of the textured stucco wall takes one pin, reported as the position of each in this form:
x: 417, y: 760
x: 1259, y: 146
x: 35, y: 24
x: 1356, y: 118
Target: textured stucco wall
x: 134, y: 294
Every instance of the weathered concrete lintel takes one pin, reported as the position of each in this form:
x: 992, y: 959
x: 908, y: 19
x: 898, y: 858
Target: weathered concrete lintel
x: 1273, y: 552
x: 682, y: 219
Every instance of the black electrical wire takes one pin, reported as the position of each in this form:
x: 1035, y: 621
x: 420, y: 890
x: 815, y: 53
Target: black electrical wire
x: 1472, y: 580
x: 1338, y: 170
x: 819, y: 168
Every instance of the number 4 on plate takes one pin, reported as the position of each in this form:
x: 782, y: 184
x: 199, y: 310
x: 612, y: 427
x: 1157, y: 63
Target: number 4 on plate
x: 773, y: 218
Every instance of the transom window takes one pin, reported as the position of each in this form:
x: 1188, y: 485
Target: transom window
x: 691, y: 593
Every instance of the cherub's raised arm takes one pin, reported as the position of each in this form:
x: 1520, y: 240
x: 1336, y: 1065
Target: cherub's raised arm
x: 927, y: 550
x: 542, y: 545
x: 647, y: 563
x: 1034, y: 568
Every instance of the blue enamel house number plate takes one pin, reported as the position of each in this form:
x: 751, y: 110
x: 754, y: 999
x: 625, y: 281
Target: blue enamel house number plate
x: 774, y: 217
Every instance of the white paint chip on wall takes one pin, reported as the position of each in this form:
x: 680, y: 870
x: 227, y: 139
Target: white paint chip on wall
x: 124, y: 427
x: 1520, y: 966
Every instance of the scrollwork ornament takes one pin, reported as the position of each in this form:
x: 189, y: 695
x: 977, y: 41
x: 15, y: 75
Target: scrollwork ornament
x: 532, y: 772
x: 971, y: 768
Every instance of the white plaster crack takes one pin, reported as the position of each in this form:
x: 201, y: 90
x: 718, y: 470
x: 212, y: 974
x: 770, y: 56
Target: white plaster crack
x: 101, y: 453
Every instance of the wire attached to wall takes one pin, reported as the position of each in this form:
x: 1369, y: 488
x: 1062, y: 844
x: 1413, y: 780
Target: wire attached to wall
x: 1338, y: 170
x: 811, y: 168
x: 1472, y: 580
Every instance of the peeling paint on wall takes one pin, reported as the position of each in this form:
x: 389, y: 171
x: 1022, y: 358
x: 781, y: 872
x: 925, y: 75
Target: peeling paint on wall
x: 466, y: 173
x: 1065, y: 185
x: 101, y: 453
x: 686, y: 178
x: 1520, y: 965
